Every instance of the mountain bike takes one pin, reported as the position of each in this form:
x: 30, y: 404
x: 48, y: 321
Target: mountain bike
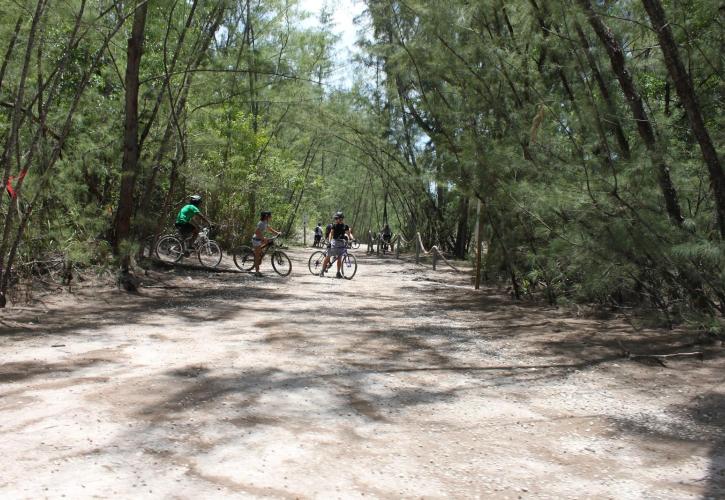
x: 172, y: 248
x: 281, y: 263
x: 349, y: 263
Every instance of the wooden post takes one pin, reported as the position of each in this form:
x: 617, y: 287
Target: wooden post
x: 397, y: 248
x: 479, y: 237
x: 435, y: 257
x: 304, y: 230
x: 417, y: 248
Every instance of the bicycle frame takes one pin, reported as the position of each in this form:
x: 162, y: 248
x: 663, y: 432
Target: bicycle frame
x: 334, y: 258
x: 265, y: 248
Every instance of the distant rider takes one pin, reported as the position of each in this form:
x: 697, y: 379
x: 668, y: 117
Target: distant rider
x: 318, y: 235
x: 387, y: 236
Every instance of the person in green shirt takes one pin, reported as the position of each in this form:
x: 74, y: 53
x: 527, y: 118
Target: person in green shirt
x: 187, y: 222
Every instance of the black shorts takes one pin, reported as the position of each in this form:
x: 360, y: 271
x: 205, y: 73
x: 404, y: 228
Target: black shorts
x: 185, y: 228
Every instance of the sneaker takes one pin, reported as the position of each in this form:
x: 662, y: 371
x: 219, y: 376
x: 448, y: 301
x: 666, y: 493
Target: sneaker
x: 258, y: 274
x: 338, y: 275
x: 322, y: 274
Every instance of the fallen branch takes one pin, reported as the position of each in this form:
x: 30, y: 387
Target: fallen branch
x: 659, y: 358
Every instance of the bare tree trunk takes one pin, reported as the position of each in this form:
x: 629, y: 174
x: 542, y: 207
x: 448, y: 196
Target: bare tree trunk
x: 12, y: 139
x: 179, y: 105
x: 55, y: 154
x: 462, y: 232
x: 612, y: 118
x: 12, y: 144
x: 11, y: 47
x: 130, y: 137
x: 686, y: 93
x: 168, y: 69
x: 644, y: 126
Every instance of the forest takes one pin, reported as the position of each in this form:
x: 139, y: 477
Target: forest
x: 583, y: 138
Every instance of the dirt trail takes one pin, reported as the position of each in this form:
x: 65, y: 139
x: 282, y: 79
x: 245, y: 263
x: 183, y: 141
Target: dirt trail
x: 400, y: 383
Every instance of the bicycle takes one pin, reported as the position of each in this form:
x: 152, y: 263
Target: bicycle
x: 172, y: 248
x: 349, y: 263
x: 385, y: 244
x: 281, y: 263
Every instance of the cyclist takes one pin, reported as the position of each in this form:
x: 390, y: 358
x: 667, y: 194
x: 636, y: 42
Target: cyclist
x: 187, y: 222
x: 328, y: 228
x: 387, y: 235
x: 338, y: 235
x: 318, y: 235
x: 259, y: 241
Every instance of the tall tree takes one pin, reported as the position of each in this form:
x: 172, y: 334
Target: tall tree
x: 129, y: 166
x: 636, y: 105
x: 688, y: 98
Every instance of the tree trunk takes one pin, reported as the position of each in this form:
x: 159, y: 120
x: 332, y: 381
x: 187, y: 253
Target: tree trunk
x: 130, y: 137
x: 177, y: 106
x: 55, y: 154
x: 462, y: 232
x: 11, y: 46
x: 12, y: 139
x: 613, y: 117
x: 644, y: 126
x: 686, y: 93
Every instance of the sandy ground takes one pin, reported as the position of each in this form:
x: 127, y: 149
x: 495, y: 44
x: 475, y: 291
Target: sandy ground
x: 401, y: 383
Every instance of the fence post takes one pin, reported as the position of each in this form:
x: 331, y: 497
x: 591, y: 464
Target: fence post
x: 378, y: 238
x: 479, y: 237
x: 397, y: 248
x: 417, y: 248
x: 435, y: 257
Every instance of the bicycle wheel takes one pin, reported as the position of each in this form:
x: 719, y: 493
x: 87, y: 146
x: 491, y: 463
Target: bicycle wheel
x: 281, y: 263
x: 241, y: 258
x: 349, y: 266
x: 169, y: 249
x: 209, y: 253
x: 315, y: 262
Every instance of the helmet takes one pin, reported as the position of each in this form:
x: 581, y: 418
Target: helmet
x: 339, y: 215
x: 195, y: 199
x: 265, y: 213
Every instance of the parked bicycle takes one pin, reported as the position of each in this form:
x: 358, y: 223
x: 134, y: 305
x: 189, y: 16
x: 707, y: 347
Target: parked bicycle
x: 349, y: 262
x: 172, y: 248
x: 281, y: 263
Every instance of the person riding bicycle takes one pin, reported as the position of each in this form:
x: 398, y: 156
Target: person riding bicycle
x: 387, y: 235
x: 318, y: 235
x: 259, y: 241
x: 187, y: 222
x: 338, y: 235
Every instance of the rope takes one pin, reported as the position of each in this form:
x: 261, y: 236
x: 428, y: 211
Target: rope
x: 400, y: 237
x: 433, y: 249
x: 437, y: 250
